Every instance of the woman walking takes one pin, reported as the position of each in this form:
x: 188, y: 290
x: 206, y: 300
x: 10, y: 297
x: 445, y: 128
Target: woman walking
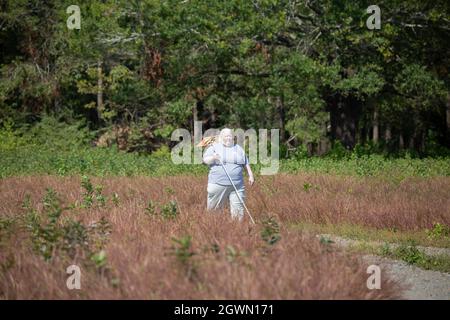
x: 226, y: 161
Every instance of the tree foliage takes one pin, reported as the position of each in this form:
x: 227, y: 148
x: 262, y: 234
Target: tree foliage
x: 311, y: 68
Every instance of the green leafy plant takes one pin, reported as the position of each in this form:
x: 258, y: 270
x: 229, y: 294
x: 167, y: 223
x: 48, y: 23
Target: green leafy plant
x: 438, y: 231
x: 115, y: 199
x: 150, y: 210
x: 169, y: 190
x: 99, y: 259
x: 325, y: 240
x: 231, y: 253
x: 50, y: 233
x: 92, y: 194
x: 99, y: 197
x: 52, y: 205
x: 270, y: 232
x: 100, y: 232
x: 74, y: 236
x: 410, y: 254
x: 307, y: 186
x: 7, y: 227
x: 169, y: 210
x: 386, y: 249
x: 88, y: 195
x: 183, y: 252
x: 26, y: 203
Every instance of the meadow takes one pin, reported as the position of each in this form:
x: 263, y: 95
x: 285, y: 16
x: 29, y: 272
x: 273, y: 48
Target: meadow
x: 137, y: 227
x: 151, y: 237
x: 91, y: 105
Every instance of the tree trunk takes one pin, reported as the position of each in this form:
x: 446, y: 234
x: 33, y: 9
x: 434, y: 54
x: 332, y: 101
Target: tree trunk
x: 194, y: 115
x: 310, y: 148
x: 448, y: 117
x: 100, y: 106
x: 423, y: 137
x: 362, y: 135
x: 401, y: 141
x: 412, y: 140
x: 282, y: 118
x: 213, y: 119
x: 387, y: 133
x: 344, y: 116
x: 376, y: 132
x: 324, y: 146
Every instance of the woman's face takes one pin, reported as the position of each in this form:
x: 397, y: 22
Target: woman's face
x: 227, y: 139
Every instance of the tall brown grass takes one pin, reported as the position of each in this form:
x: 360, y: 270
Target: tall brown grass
x: 229, y: 259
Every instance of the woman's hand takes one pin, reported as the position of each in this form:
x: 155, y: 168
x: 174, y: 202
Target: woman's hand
x: 251, y: 179
x: 211, y: 159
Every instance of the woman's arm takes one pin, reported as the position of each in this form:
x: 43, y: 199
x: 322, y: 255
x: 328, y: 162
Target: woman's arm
x: 251, y: 179
x: 211, y: 159
x: 210, y: 156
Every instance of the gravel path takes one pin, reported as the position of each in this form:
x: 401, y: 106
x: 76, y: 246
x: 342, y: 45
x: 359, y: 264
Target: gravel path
x: 419, y: 284
x: 342, y: 242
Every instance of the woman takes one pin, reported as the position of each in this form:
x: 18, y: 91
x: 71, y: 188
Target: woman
x: 219, y: 185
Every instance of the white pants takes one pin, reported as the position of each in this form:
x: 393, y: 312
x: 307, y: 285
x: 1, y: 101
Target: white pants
x: 218, y: 195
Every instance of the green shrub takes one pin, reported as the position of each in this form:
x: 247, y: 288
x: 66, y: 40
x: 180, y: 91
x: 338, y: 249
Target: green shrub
x: 10, y: 139
x: 183, y: 253
x: 438, y: 231
x: 115, y: 199
x: 338, y: 151
x: 150, y: 210
x: 92, y: 194
x: 169, y: 210
x: 410, y: 254
x: 35, y: 160
x: 50, y: 234
x: 270, y: 232
x: 54, y: 134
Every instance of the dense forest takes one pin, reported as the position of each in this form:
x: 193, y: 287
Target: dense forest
x: 133, y: 71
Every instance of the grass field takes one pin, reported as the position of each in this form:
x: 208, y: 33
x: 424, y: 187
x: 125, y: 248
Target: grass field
x: 150, y: 237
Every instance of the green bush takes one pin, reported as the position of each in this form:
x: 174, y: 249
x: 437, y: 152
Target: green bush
x: 52, y: 147
x: 439, y: 230
x: 10, y: 139
x: 270, y: 232
x: 56, y: 135
x: 169, y: 210
x: 50, y: 233
x: 338, y: 151
x: 366, y: 149
x: 183, y: 253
